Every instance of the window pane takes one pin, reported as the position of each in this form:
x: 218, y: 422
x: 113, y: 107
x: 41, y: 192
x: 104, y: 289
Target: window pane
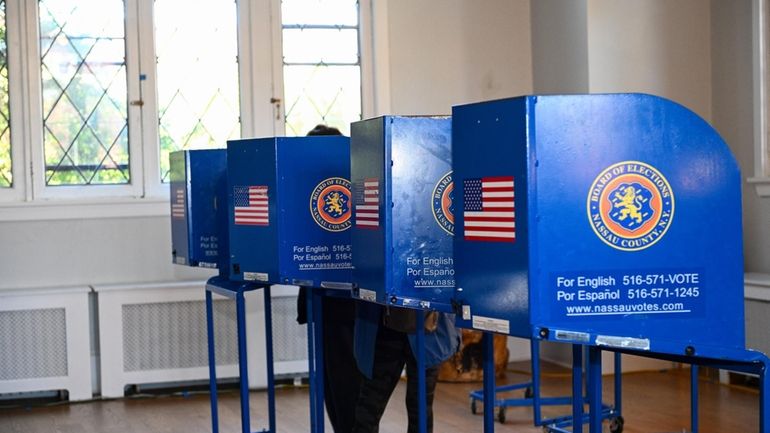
x: 321, y: 94
x: 320, y: 12
x: 85, y: 117
x: 322, y: 68
x: 197, y: 54
x: 6, y: 178
x: 320, y: 46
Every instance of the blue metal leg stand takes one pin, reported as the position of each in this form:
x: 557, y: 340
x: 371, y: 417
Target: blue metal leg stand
x: 422, y: 406
x: 594, y: 390
x: 311, y: 367
x: 487, y: 342
x: 243, y: 366
x: 212, y: 363
x: 764, y: 400
x: 534, y: 353
x: 269, y: 350
x: 618, y: 383
x: 319, y: 359
x: 694, y: 398
x: 577, y: 388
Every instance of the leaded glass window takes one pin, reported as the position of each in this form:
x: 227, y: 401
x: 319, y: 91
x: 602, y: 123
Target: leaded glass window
x: 83, y: 69
x: 6, y: 177
x: 197, y: 61
x: 321, y: 64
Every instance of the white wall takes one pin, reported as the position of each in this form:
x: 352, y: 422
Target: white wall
x: 603, y: 46
x: 560, y: 46
x: 654, y: 46
x: 88, y: 251
x: 733, y: 96
x: 449, y: 52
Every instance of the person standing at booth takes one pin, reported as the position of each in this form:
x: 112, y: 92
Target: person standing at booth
x: 342, y: 380
x: 385, y: 341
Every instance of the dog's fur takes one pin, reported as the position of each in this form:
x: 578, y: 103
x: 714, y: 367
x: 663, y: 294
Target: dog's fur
x: 466, y: 365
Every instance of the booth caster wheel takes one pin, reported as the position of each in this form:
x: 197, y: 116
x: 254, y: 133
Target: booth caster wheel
x: 528, y: 393
x: 616, y: 424
x: 474, y: 409
x: 501, y: 415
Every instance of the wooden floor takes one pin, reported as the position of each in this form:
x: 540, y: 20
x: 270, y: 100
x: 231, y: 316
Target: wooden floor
x: 653, y: 402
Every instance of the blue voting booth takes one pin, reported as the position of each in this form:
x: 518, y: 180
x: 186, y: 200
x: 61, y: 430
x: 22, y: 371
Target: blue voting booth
x: 266, y: 211
x: 402, y: 237
x: 605, y: 219
x: 404, y: 221
x: 611, y: 221
x: 199, y: 237
x: 290, y: 207
x: 403, y: 210
x: 198, y: 185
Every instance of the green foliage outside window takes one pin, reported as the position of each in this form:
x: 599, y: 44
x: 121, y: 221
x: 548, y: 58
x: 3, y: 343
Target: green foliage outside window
x: 6, y: 177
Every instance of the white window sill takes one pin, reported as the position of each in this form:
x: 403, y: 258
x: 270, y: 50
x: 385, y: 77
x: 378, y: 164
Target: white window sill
x: 756, y: 286
x: 762, y: 184
x: 44, y: 210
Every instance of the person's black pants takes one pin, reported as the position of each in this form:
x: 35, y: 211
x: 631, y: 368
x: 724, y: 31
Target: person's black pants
x: 342, y: 379
x: 392, y: 351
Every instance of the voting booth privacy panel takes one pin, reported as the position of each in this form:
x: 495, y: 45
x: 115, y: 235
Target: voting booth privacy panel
x: 198, y: 187
x: 289, y: 210
x: 403, y: 211
x: 611, y: 220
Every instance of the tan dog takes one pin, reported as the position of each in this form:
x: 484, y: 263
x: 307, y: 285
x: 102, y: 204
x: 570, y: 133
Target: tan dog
x: 466, y: 365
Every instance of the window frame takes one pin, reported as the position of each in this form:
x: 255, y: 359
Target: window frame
x: 365, y: 63
x: 761, y: 78
x: 16, y: 70
x: 40, y: 190
x: 259, y: 56
x: 154, y: 187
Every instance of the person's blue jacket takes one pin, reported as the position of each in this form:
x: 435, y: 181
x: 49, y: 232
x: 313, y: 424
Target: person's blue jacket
x: 439, y: 344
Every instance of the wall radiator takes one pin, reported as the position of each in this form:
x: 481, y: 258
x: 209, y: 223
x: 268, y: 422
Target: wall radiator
x: 45, y: 341
x: 156, y: 333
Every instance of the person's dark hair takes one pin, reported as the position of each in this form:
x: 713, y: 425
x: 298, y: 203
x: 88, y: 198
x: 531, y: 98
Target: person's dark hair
x: 322, y: 129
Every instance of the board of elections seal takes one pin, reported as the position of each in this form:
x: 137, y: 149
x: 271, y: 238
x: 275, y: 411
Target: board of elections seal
x: 630, y: 205
x: 330, y: 204
x: 441, y: 200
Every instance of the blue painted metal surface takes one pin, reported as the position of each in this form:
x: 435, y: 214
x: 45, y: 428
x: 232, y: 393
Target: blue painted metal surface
x: 626, y: 233
x: 594, y: 389
x: 198, y: 208
x: 300, y: 235
x: 236, y: 290
x: 488, y: 347
x: 212, y: 363
x: 577, y: 387
x: 403, y: 234
x: 533, y: 398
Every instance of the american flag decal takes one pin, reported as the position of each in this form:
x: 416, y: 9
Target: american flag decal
x: 489, y: 211
x: 368, y: 205
x: 177, y: 202
x: 250, y: 204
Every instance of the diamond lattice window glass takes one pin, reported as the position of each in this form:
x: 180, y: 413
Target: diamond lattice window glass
x: 6, y: 178
x: 197, y: 55
x: 85, y: 116
x: 321, y: 64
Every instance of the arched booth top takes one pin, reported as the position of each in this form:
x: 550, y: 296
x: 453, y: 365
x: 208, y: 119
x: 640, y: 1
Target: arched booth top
x: 622, y: 226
